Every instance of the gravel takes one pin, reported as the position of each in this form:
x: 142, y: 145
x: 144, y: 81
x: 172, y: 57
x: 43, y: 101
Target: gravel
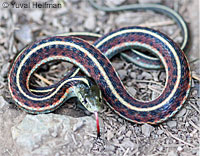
x: 172, y: 124
x: 24, y: 34
x: 147, y: 129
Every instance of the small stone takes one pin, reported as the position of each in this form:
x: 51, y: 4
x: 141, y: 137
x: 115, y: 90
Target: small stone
x: 172, y: 153
x: 155, y: 76
x: 181, y: 113
x: 172, y: 124
x: 127, y: 143
x: 147, y: 129
x: 116, y: 141
x: 118, y: 66
x: 24, y: 35
x: 36, y: 15
x: 133, y: 75
x: 146, y: 76
x: 129, y: 133
x: 114, y: 2
x: 57, y: 154
x: 4, y: 69
x: 90, y: 22
x: 109, y: 147
x: 110, y: 135
x: 122, y: 74
x: 129, y: 84
x: 162, y: 76
x: 160, y: 148
x: 150, y: 1
x: 3, y: 102
x: 132, y: 91
x: 159, y: 132
x: 179, y: 148
x: 54, y: 134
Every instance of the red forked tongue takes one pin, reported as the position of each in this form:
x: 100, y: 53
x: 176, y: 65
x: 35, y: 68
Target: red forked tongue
x: 97, y: 122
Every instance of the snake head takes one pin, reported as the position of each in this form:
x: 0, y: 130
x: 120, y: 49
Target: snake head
x: 90, y: 96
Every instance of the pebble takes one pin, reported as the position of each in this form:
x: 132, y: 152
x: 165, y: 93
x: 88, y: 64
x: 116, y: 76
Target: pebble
x: 3, y: 103
x: 149, y: 1
x: 129, y: 133
x: 4, y: 69
x: 162, y: 76
x: 132, y: 91
x: 109, y: 147
x: 147, y: 129
x: 114, y: 2
x: 133, y: 75
x: 129, y: 84
x: 127, y: 143
x: 146, y: 76
x: 172, y: 153
x: 110, y: 135
x: 54, y: 134
x: 90, y: 23
x: 172, y: 124
x: 179, y: 148
x: 160, y: 148
x: 155, y: 76
x: 118, y: 65
x: 36, y: 15
x: 122, y: 74
x: 181, y: 113
x: 159, y: 132
x: 24, y: 35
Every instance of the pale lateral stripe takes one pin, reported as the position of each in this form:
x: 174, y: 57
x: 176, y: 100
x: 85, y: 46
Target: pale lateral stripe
x: 41, y: 91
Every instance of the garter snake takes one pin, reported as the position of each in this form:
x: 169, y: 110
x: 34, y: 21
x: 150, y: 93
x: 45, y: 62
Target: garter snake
x: 91, y: 60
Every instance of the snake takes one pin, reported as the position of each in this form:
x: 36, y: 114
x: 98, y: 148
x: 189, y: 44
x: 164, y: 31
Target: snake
x: 93, y: 61
x: 141, y: 59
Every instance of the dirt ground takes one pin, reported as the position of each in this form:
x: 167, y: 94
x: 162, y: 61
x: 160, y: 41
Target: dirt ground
x: 20, y: 25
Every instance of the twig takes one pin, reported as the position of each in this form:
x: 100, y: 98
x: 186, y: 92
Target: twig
x: 73, y: 138
x: 195, y: 126
x: 43, y: 79
x: 195, y: 77
x: 162, y: 23
x: 176, y: 33
x: 194, y: 61
x: 147, y: 81
x: 155, y: 89
x: 170, y: 134
x: 158, y: 153
x: 195, y: 108
x: 172, y: 145
x: 125, y: 153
